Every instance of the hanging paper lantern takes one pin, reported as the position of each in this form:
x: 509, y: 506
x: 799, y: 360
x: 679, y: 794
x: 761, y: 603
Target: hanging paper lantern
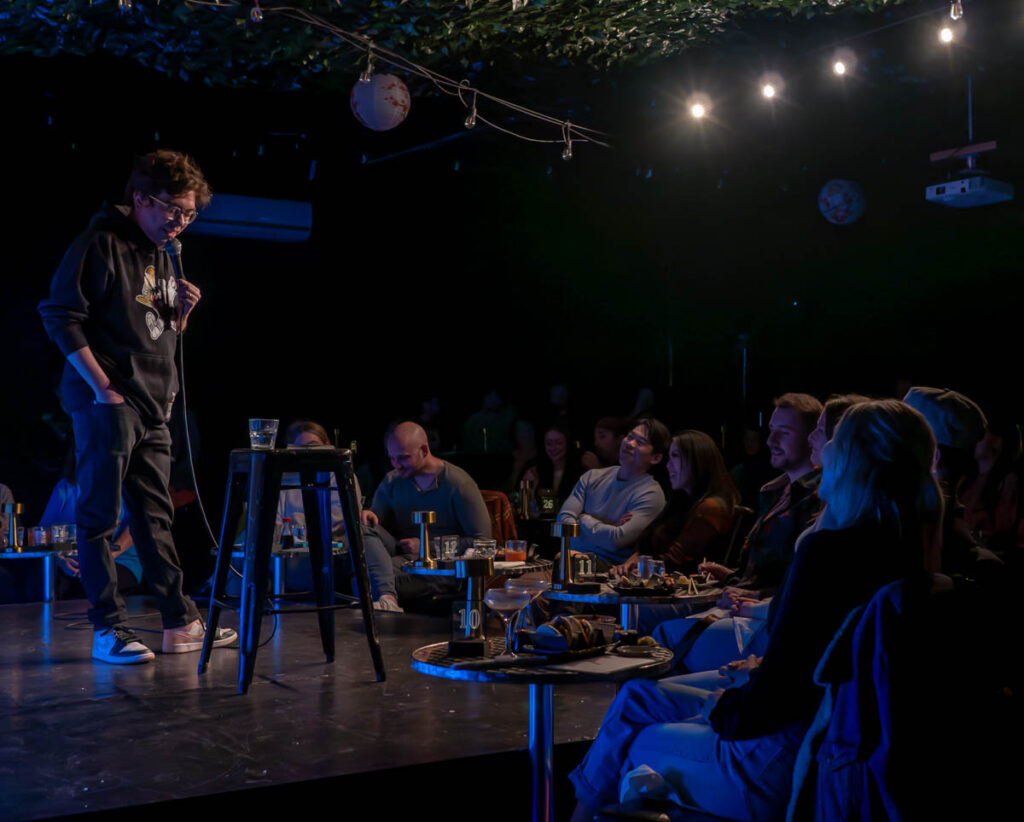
x: 380, y: 104
x: 841, y: 202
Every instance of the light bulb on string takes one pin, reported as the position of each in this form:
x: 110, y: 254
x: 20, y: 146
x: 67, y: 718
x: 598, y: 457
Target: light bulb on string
x: 771, y: 85
x: 367, y: 74
x: 946, y: 34
x: 844, y: 61
x: 124, y: 7
x: 471, y: 119
x: 256, y: 14
x: 956, y: 10
x: 697, y: 110
x: 567, y: 136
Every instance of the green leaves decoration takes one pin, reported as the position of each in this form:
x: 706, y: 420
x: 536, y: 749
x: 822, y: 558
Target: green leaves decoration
x: 216, y: 43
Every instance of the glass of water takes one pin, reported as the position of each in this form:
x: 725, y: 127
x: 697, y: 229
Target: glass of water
x: 262, y: 433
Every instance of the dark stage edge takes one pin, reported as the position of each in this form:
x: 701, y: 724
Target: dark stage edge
x: 78, y: 737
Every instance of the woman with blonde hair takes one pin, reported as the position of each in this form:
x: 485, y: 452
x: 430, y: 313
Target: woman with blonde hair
x: 725, y: 741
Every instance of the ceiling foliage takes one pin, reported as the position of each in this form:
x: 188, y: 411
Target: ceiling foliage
x: 227, y: 44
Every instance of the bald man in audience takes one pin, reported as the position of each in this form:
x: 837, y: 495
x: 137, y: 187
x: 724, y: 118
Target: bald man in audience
x: 422, y: 482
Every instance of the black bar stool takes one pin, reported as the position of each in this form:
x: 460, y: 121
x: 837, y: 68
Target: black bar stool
x: 255, y: 477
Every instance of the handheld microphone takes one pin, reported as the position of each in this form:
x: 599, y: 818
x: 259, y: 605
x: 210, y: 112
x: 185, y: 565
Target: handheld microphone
x: 173, y: 249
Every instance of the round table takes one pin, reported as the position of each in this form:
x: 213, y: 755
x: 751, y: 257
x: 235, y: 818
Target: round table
x: 433, y: 661
x: 628, y: 605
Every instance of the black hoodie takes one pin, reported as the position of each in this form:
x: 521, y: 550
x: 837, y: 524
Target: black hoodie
x: 115, y: 292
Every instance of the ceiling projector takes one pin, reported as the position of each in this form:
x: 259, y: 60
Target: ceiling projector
x: 971, y: 186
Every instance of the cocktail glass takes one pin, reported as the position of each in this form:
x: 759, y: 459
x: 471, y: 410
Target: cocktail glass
x: 506, y: 604
x: 534, y: 586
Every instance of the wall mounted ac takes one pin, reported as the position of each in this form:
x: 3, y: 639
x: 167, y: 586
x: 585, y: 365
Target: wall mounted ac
x: 255, y: 218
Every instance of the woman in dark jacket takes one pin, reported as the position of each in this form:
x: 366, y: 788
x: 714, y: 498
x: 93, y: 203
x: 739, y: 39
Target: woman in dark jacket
x: 725, y: 741
x: 696, y: 520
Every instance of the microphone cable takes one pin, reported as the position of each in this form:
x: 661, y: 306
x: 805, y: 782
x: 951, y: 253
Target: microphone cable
x: 174, y: 251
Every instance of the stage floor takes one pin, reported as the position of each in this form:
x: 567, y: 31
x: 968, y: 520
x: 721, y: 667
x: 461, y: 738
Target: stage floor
x: 79, y: 737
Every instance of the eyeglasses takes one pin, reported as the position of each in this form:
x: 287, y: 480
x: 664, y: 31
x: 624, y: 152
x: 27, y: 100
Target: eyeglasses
x: 175, y: 213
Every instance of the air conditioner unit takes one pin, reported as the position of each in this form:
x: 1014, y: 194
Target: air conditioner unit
x: 255, y: 218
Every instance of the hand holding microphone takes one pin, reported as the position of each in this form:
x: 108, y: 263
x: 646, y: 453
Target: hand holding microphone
x: 188, y: 293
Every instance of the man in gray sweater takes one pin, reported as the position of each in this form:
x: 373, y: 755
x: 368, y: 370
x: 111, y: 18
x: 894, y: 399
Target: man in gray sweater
x: 421, y: 482
x: 613, y: 505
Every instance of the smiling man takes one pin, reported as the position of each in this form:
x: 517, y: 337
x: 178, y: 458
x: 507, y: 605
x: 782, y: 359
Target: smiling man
x: 613, y: 505
x: 115, y: 311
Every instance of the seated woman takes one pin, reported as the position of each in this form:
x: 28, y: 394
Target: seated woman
x: 558, y: 466
x: 731, y: 751
x: 306, y: 433
x: 698, y: 516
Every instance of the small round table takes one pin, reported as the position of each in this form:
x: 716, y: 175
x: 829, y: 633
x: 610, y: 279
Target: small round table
x: 433, y: 660
x: 628, y: 605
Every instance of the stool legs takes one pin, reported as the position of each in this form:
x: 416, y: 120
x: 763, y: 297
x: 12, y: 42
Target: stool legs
x: 354, y: 533
x: 264, y: 488
x: 316, y: 504
x: 235, y: 497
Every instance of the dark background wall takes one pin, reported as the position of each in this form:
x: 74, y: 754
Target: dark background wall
x: 480, y: 261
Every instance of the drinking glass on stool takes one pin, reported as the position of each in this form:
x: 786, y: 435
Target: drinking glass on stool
x: 262, y: 433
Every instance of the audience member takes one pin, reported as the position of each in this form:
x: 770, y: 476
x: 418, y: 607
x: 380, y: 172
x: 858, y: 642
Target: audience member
x: 420, y: 481
x: 958, y: 425
x: 991, y: 490
x: 61, y: 507
x: 698, y: 517
x: 754, y: 468
x: 726, y: 741
x: 788, y: 505
x: 835, y: 407
x: 558, y: 467
x: 489, y: 430
x: 310, y: 434
x: 614, y: 505
x: 608, y: 434
x: 6, y: 498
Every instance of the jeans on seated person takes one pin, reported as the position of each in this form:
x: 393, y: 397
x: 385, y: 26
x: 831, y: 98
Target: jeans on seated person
x: 646, y: 725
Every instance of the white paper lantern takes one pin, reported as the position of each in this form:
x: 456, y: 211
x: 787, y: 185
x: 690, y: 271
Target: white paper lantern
x: 841, y: 202
x: 380, y: 104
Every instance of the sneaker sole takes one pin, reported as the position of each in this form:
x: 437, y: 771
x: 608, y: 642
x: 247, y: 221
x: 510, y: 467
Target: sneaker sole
x: 189, y: 647
x: 134, y: 659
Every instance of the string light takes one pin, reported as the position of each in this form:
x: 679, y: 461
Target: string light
x: 367, y: 74
x: 124, y: 7
x: 697, y: 110
x: 768, y: 91
x: 946, y: 34
x: 839, y: 67
x: 956, y: 10
x: 256, y: 14
x: 567, y: 136
x: 471, y: 119
x: 772, y: 85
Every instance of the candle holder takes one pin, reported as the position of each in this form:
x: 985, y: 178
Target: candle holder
x: 566, y: 572
x: 424, y: 519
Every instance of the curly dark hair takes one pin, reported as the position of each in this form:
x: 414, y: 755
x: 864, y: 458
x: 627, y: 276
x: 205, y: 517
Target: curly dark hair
x: 169, y: 171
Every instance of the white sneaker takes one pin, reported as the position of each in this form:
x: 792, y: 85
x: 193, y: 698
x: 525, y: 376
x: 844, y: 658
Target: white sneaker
x: 119, y: 646
x: 190, y: 637
x: 388, y: 602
